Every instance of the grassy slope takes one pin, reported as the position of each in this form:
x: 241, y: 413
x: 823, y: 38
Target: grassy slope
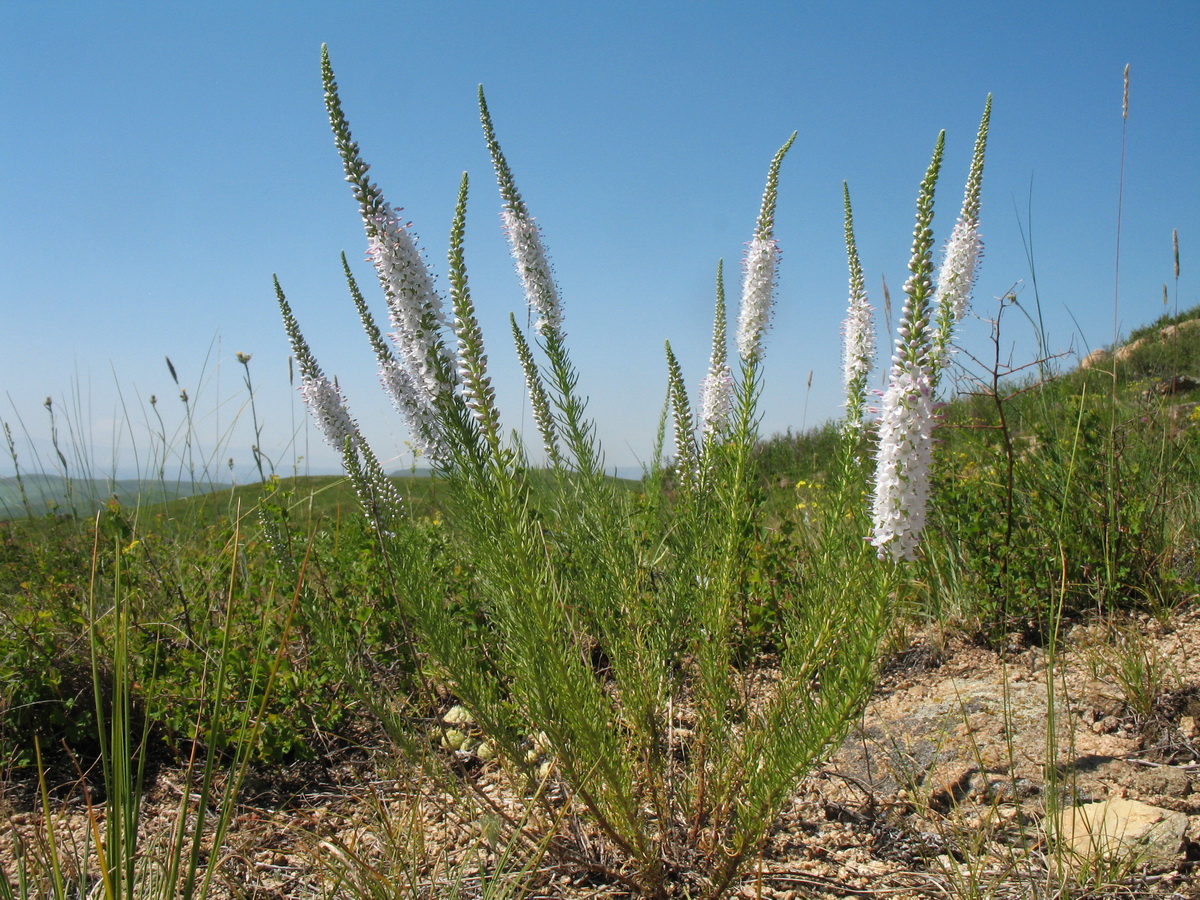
x: 1149, y: 357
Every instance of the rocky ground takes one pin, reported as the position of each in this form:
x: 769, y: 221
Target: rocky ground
x: 951, y: 785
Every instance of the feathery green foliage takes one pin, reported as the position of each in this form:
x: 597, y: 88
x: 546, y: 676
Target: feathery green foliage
x: 612, y: 630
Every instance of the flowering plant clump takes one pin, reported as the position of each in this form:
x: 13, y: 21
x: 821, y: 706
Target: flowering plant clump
x: 608, y: 649
x: 904, y: 452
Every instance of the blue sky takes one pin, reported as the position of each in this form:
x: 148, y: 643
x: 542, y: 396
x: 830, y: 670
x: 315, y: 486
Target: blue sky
x: 159, y: 162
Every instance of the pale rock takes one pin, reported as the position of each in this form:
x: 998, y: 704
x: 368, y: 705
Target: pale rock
x: 1119, y: 829
x: 1123, y: 353
x: 1094, y: 358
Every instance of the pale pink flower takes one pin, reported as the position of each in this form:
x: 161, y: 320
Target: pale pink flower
x: 955, y: 281
x: 412, y: 404
x: 858, y: 351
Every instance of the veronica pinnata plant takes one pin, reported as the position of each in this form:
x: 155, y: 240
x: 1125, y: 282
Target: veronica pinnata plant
x: 605, y: 646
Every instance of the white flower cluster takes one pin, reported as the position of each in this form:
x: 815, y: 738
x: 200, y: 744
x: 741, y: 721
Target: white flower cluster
x: 413, y: 382
x: 328, y: 407
x: 414, y: 407
x: 903, y: 462
x: 758, y: 292
x: 525, y: 241
x: 414, y: 306
x: 858, y: 343
x: 956, y: 280
x: 716, y: 400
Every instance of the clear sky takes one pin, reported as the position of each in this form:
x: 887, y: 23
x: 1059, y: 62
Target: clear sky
x: 160, y: 161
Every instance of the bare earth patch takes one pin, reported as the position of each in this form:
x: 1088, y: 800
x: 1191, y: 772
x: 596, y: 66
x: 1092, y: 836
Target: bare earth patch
x: 948, y: 786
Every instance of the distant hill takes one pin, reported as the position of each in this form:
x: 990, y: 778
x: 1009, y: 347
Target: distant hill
x: 41, y: 494
x: 414, y: 472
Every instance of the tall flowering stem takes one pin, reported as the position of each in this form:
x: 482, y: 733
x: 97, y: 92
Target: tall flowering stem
x: 759, y: 265
x: 328, y: 408
x: 956, y: 277
x: 716, y: 390
x: 541, y: 293
x: 525, y: 238
x: 414, y: 306
x: 858, y: 332
x: 477, y: 393
x: 905, y: 449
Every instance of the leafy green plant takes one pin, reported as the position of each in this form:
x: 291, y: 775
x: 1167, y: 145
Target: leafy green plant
x: 112, y: 860
x: 656, y: 655
x: 1048, y: 492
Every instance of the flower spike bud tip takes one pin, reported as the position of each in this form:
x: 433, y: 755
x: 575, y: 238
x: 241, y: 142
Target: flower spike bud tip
x: 538, y: 398
x: 685, y: 443
x: 919, y: 288
x: 759, y: 265
x: 477, y: 392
